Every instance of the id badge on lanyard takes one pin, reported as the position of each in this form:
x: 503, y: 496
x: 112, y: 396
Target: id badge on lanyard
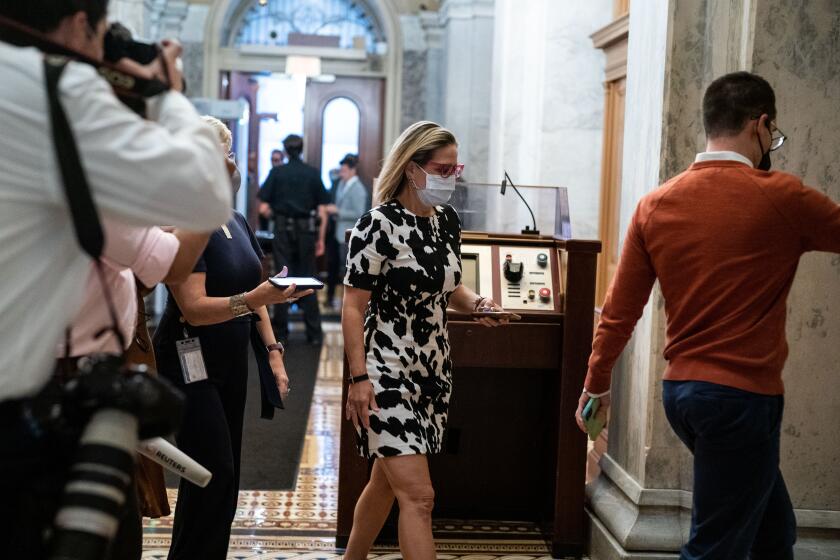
x: 192, y: 360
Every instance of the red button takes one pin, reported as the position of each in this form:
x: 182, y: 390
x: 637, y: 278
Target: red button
x: 545, y: 294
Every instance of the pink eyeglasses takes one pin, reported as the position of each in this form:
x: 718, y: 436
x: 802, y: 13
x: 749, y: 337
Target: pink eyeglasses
x: 446, y: 170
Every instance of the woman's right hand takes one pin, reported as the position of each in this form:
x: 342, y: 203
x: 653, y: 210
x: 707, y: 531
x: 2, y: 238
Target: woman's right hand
x: 361, y: 399
x: 268, y: 294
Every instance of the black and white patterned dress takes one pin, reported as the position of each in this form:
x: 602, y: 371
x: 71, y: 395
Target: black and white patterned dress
x: 411, y: 264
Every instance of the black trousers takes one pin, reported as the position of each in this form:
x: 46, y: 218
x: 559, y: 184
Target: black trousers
x: 296, y: 250
x: 211, y: 434
x: 741, y: 507
x: 34, y: 465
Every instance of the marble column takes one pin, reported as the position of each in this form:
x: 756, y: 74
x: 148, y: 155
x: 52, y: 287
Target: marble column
x: 432, y: 26
x: 467, y: 70
x: 422, y: 76
x: 170, y: 19
x: 414, y: 71
x: 192, y: 38
x: 641, y: 503
x: 628, y: 512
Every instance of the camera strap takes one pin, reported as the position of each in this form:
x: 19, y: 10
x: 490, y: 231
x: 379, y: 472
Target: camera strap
x: 132, y: 90
x: 86, y: 221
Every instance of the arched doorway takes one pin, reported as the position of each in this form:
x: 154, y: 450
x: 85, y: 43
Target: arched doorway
x: 288, y: 58
x: 227, y: 19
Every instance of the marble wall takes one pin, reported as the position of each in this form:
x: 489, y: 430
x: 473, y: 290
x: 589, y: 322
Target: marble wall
x: 422, y: 72
x: 467, y: 45
x: 413, y: 90
x: 547, y: 110
x: 572, y: 126
x: 797, y: 48
x: 131, y: 13
x: 151, y: 20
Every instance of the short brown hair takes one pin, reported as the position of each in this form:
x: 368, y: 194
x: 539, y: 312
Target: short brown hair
x: 733, y: 99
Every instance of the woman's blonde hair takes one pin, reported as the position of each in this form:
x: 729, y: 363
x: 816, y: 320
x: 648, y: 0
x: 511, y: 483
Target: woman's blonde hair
x: 225, y: 137
x: 417, y: 143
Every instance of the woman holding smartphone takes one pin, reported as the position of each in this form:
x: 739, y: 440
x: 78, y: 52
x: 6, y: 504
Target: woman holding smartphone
x: 202, y: 345
x: 403, y: 272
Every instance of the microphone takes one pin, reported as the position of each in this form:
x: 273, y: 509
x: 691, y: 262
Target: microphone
x: 527, y: 230
x: 170, y: 457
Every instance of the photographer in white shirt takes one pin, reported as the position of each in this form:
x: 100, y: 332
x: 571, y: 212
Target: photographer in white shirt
x: 165, y: 170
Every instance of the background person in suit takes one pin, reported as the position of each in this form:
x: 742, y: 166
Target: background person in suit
x: 351, y: 201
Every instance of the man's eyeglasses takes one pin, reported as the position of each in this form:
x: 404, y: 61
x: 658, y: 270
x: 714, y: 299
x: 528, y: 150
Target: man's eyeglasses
x: 777, y: 139
x: 446, y: 170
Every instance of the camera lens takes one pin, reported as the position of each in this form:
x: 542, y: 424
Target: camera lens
x: 95, y: 493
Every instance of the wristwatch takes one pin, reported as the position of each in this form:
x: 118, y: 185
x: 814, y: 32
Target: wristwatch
x: 276, y: 346
x: 358, y: 378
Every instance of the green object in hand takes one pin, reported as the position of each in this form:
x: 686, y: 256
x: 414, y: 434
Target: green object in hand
x: 593, y: 423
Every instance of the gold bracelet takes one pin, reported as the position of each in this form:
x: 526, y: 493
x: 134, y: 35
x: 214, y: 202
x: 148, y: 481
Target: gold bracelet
x: 238, y: 305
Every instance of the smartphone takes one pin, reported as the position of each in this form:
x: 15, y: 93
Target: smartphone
x: 497, y: 315
x: 593, y: 424
x: 301, y: 283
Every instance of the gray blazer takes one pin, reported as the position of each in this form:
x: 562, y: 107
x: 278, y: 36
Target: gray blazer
x: 351, y: 199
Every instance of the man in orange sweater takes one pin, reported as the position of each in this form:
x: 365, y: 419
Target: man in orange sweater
x: 724, y: 239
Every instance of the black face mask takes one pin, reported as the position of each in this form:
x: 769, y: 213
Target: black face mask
x: 765, y: 162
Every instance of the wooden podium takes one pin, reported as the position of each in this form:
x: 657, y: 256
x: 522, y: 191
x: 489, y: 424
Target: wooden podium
x: 513, y: 451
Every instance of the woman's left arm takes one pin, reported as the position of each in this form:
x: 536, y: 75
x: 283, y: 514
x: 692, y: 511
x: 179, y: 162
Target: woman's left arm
x: 465, y: 300
x: 275, y: 357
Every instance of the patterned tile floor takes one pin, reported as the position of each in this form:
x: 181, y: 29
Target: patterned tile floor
x: 271, y: 525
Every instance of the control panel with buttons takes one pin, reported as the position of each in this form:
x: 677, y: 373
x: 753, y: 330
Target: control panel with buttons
x: 527, y: 280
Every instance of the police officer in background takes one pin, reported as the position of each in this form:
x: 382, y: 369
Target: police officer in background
x: 295, y: 196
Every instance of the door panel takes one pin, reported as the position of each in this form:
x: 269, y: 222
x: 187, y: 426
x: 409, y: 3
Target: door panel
x: 368, y: 95
x: 240, y: 85
x: 611, y: 186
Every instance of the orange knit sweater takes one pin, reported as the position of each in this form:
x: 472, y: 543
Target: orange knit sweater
x: 724, y: 241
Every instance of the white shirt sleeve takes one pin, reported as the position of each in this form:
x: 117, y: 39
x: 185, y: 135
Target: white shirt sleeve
x: 169, y: 172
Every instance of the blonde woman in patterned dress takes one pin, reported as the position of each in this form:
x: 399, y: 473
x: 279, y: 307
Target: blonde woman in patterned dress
x: 403, y: 271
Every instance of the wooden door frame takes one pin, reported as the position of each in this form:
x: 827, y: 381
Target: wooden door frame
x: 613, y: 40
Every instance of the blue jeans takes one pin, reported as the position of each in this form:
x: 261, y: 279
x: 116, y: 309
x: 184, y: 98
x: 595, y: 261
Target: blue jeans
x: 741, y: 507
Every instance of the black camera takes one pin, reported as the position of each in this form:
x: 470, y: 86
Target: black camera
x: 105, y: 380
x: 120, y: 44
x: 118, y: 405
